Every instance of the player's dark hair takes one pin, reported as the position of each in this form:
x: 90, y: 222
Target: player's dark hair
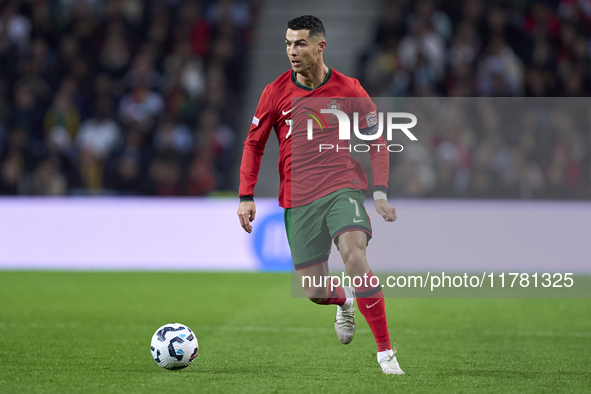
x: 308, y: 22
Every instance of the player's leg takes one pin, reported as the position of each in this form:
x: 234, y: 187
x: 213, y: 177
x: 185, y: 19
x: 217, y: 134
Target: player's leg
x: 315, y: 281
x: 370, y: 298
x: 310, y: 245
x: 351, y: 231
x: 321, y: 290
x: 352, y: 246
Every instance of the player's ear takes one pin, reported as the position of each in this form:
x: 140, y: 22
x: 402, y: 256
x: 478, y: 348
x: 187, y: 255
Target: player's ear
x: 321, y: 45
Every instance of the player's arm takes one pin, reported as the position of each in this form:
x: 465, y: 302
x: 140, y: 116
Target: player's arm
x: 378, y: 153
x: 380, y: 165
x: 254, y: 148
x: 384, y: 208
x: 246, y: 213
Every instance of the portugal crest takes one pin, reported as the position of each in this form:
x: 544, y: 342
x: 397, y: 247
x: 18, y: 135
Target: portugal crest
x: 333, y: 104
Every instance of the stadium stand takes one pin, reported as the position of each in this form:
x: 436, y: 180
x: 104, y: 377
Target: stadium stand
x: 144, y: 97
x: 120, y: 97
x: 475, y: 48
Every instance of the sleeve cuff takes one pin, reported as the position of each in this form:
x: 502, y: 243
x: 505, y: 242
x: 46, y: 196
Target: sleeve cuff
x: 246, y: 198
x: 380, y: 193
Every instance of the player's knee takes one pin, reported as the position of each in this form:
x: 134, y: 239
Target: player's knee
x: 355, y: 263
x: 355, y: 259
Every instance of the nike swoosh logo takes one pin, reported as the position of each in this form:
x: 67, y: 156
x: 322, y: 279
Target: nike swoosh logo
x: 357, y: 221
x: 286, y: 112
x: 372, y: 305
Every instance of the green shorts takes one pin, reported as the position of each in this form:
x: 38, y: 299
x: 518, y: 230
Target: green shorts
x: 312, y: 228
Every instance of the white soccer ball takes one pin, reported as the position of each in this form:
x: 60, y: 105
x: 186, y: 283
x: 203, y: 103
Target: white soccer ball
x: 174, y: 346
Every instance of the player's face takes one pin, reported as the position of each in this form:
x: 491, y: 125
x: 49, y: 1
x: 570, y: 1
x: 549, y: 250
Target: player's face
x: 303, y: 51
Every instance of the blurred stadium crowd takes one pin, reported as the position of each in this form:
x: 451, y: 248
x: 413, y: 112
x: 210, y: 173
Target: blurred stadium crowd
x: 143, y: 97
x: 473, y: 48
x: 120, y: 97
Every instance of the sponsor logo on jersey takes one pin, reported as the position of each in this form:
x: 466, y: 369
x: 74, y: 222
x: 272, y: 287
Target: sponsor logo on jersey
x: 255, y: 121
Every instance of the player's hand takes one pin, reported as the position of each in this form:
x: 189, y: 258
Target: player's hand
x: 386, y: 210
x: 246, y: 213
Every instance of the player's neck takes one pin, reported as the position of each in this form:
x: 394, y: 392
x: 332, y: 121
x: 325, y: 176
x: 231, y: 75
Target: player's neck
x: 314, y: 77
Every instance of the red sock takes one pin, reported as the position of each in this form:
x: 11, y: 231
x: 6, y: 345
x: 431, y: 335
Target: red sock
x: 336, y: 296
x: 370, y: 301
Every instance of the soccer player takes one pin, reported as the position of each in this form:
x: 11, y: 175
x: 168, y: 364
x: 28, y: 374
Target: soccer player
x: 326, y: 205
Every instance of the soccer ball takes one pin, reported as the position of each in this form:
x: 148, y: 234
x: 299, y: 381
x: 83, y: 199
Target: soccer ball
x: 174, y: 346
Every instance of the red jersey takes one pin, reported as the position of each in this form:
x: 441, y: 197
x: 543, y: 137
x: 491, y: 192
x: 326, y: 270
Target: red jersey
x: 306, y: 173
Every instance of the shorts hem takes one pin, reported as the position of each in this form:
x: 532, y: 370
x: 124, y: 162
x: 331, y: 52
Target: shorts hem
x: 346, y: 229
x: 310, y: 263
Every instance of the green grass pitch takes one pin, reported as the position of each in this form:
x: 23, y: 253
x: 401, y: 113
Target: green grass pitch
x: 84, y: 332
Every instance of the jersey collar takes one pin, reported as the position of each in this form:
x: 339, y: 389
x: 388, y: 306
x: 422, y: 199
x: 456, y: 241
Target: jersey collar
x: 299, y: 85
